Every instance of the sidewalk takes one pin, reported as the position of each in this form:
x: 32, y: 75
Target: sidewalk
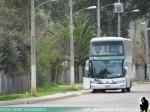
x: 57, y: 96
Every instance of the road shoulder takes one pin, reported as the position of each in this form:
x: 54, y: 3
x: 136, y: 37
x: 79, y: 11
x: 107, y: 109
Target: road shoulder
x: 57, y: 96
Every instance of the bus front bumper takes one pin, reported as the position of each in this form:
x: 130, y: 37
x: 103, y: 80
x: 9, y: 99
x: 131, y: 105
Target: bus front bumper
x: 108, y: 86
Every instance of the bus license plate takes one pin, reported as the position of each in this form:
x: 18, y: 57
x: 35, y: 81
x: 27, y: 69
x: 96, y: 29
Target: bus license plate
x: 107, y: 86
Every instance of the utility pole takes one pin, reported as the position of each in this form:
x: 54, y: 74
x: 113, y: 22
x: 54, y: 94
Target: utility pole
x: 147, y: 51
x: 33, y: 56
x: 133, y: 37
x: 118, y: 8
x: 134, y: 41
x: 98, y: 19
x: 72, y: 76
x: 119, y: 23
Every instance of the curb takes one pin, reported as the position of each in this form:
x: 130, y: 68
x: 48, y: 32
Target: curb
x: 54, y: 97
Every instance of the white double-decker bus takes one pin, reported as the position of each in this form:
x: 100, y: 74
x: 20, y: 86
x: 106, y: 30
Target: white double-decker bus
x: 109, y: 66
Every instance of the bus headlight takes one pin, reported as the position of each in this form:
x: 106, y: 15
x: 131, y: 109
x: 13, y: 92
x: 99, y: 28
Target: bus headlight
x: 96, y: 82
x: 93, y: 82
x: 121, y: 81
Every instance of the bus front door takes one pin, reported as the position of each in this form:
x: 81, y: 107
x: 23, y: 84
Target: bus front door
x: 86, y: 79
x: 86, y: 83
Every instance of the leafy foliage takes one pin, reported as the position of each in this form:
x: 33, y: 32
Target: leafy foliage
x: 50, y: 57
x: 13, y: 42
x: 83, y: 32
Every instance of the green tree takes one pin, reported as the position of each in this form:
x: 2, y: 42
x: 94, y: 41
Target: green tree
x: 50, y: 56
x: 14, y: 42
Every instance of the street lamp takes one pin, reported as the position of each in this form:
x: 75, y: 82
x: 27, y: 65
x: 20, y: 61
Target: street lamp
x: 119, y: 18
x: 133, y: 36
x: 72, y: 75
x: 135, y: 10
x: 33, y: 54
x: 99, y: 17
x: 44, y: 3
x: 132, y: 11
x: 87, y: 8
x: 91, y: 7
x: 118, y: 9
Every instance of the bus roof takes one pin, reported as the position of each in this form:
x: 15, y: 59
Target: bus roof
x: 109, y: 39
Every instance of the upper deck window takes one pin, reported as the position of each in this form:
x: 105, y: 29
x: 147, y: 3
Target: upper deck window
x: 107, y: 48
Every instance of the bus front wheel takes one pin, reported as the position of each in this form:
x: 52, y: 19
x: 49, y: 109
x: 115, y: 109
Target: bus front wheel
x: 102, y: 90
x: 123, y: 90
x: 128, y: 89
x: 94, y: 91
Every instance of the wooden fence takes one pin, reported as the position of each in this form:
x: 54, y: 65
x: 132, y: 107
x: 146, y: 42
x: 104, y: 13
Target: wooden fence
x: 140, y: 74
x: 14, y: 84
x: 64, y: 77
x: 21, y: 83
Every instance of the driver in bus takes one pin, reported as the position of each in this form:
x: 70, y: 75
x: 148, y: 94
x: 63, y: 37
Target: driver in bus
x: 98, y: 50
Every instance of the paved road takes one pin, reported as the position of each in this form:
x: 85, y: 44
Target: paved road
x: 110, y: 99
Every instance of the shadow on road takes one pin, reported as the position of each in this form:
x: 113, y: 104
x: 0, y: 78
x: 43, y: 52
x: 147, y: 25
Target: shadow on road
x: 109, y: 91
x: 140, y: 91
x: 118, y: 91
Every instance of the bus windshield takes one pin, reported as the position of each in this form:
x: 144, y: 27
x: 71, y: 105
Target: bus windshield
x: 107, y: 48
x: 106, y: 69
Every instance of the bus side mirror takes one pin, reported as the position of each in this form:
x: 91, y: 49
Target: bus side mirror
x: 124, y: 71
x: 86, y: 71
x: 86, y: 68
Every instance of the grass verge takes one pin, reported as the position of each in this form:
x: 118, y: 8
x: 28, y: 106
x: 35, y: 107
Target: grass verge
x: 42, y: 91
